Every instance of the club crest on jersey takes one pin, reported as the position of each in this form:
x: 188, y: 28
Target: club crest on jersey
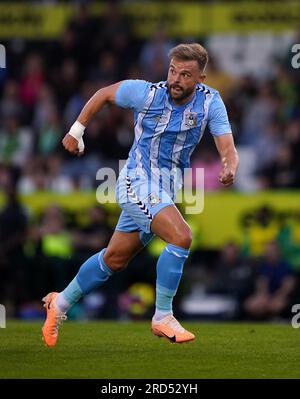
x: 153, y: 199
x: 191, y: 119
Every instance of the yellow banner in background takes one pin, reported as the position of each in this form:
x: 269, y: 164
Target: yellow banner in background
x: 219, y: 222
x: 33, y: 21
x: 245, y: 17
x: 178, y: 19
x: 223, y: 212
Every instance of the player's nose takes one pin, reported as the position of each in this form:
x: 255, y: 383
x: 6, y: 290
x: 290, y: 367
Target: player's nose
x: 175, y: 82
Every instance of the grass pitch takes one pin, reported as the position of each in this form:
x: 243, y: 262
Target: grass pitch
x: 109, y: 350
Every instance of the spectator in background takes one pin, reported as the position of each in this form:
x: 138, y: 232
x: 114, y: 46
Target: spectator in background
x: 217, y: 77
x: 219, y: 286
x: 268, y: 145
x: 33, y: 177
x: 94, y: 141
x: 108, y: 139
x: 287, y: 92
x: 106, y: 70
x: 5, y: 176
x: 260, y: 227
x: 66, y: 82
x: 13, y: 230
x: 239, y: 99
x: 116, y: 34
x: 154, y: 59
x: 76, y: 102
x: 45, y: 174
x: 86, y: 30
x: 46, y: 101
x: 289, y: 239
x: 292, y: 135
x: 16, y: 142
x: 50, y: 132
x: 274, y: 286
x: 56, y: 247
x: 207, y: 159
x: 281, y: 173
x: 32, y: 82
x: 95, y: 233
x: 10, y: 104
x: 124, y: 135
x: 56, y: 180
x: 55, y: 90
x: 259, y: 115
x: 233, y: 273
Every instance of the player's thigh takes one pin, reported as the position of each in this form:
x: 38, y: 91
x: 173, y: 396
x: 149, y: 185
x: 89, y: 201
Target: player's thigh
x: 122, y: 247
x: 169, y: 225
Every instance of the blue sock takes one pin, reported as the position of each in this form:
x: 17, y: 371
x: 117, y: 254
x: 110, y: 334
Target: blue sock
x: 93, y: 273
x: 169, y: 271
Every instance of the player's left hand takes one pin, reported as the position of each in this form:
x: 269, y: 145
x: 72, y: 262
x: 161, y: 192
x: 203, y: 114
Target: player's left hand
x: 226, y: 176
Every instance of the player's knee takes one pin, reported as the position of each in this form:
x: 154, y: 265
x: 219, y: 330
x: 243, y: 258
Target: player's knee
x: 115, y: 261
x: 182, y: 237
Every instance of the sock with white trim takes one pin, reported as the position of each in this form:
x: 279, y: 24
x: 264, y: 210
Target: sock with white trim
x: 169, y: 271
x: 92, y: 274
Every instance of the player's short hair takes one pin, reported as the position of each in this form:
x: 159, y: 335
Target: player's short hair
x: 190, y: 51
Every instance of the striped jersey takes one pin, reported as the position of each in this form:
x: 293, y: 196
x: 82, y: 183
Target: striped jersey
x: 165, y: 133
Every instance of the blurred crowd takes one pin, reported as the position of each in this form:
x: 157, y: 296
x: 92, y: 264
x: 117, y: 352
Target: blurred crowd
x: 42, y: 91
x: 46, y: 84
x: 256, y: 279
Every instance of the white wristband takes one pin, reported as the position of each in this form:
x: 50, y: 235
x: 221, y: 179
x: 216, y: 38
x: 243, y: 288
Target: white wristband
x: 80, y: 145
x: 77, y: 130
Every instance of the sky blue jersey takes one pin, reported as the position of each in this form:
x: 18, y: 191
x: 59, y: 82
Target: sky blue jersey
x: 165, y: 133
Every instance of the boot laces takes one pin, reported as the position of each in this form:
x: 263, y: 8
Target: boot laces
x: 172, y: 322
x: 59, y: 319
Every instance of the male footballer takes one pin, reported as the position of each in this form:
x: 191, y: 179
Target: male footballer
x: 169, y: 121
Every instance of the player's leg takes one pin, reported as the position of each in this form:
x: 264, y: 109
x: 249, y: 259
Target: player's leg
x: 95, y: 271
x: 169, y: 225
x: 123, y: 246
x: 153, y: 210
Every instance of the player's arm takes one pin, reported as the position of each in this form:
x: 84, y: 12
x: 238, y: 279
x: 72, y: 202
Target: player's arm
x: 73, y: 141
x: 229, y: 157
x: 220, y: 128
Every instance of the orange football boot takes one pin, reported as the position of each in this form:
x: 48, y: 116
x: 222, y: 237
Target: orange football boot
x: 171, y: 329
x: 53, y: 320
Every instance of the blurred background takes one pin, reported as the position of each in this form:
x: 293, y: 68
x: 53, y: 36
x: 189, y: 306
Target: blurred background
x: 245, y: 260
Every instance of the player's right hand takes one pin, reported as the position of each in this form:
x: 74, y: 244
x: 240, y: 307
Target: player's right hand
x: 73, y: 145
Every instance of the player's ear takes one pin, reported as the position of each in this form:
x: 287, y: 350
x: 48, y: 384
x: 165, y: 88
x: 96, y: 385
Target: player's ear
x: 202, y: 77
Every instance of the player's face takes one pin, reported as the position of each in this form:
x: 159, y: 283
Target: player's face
x: 183, y: 77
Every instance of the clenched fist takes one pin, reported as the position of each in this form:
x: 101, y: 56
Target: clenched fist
x: 73, y: 145
x: 226, y: 176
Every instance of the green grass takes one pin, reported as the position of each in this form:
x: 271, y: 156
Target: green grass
x: 128, y: 350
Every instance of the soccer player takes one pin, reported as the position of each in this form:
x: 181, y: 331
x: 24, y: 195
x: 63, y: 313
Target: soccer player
x: 169, y: 121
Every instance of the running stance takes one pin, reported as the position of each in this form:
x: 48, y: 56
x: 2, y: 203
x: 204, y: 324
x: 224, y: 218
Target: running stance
x: 169, y: 121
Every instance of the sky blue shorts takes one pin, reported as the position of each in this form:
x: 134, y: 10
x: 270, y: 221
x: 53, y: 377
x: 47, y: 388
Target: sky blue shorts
x: 140, y: 200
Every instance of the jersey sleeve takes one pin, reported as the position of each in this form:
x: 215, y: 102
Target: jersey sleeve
x: 132, y: 94
x: 218, y: 122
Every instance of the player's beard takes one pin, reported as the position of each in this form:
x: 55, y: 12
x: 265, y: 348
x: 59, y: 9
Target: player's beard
x: 181, y: 94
